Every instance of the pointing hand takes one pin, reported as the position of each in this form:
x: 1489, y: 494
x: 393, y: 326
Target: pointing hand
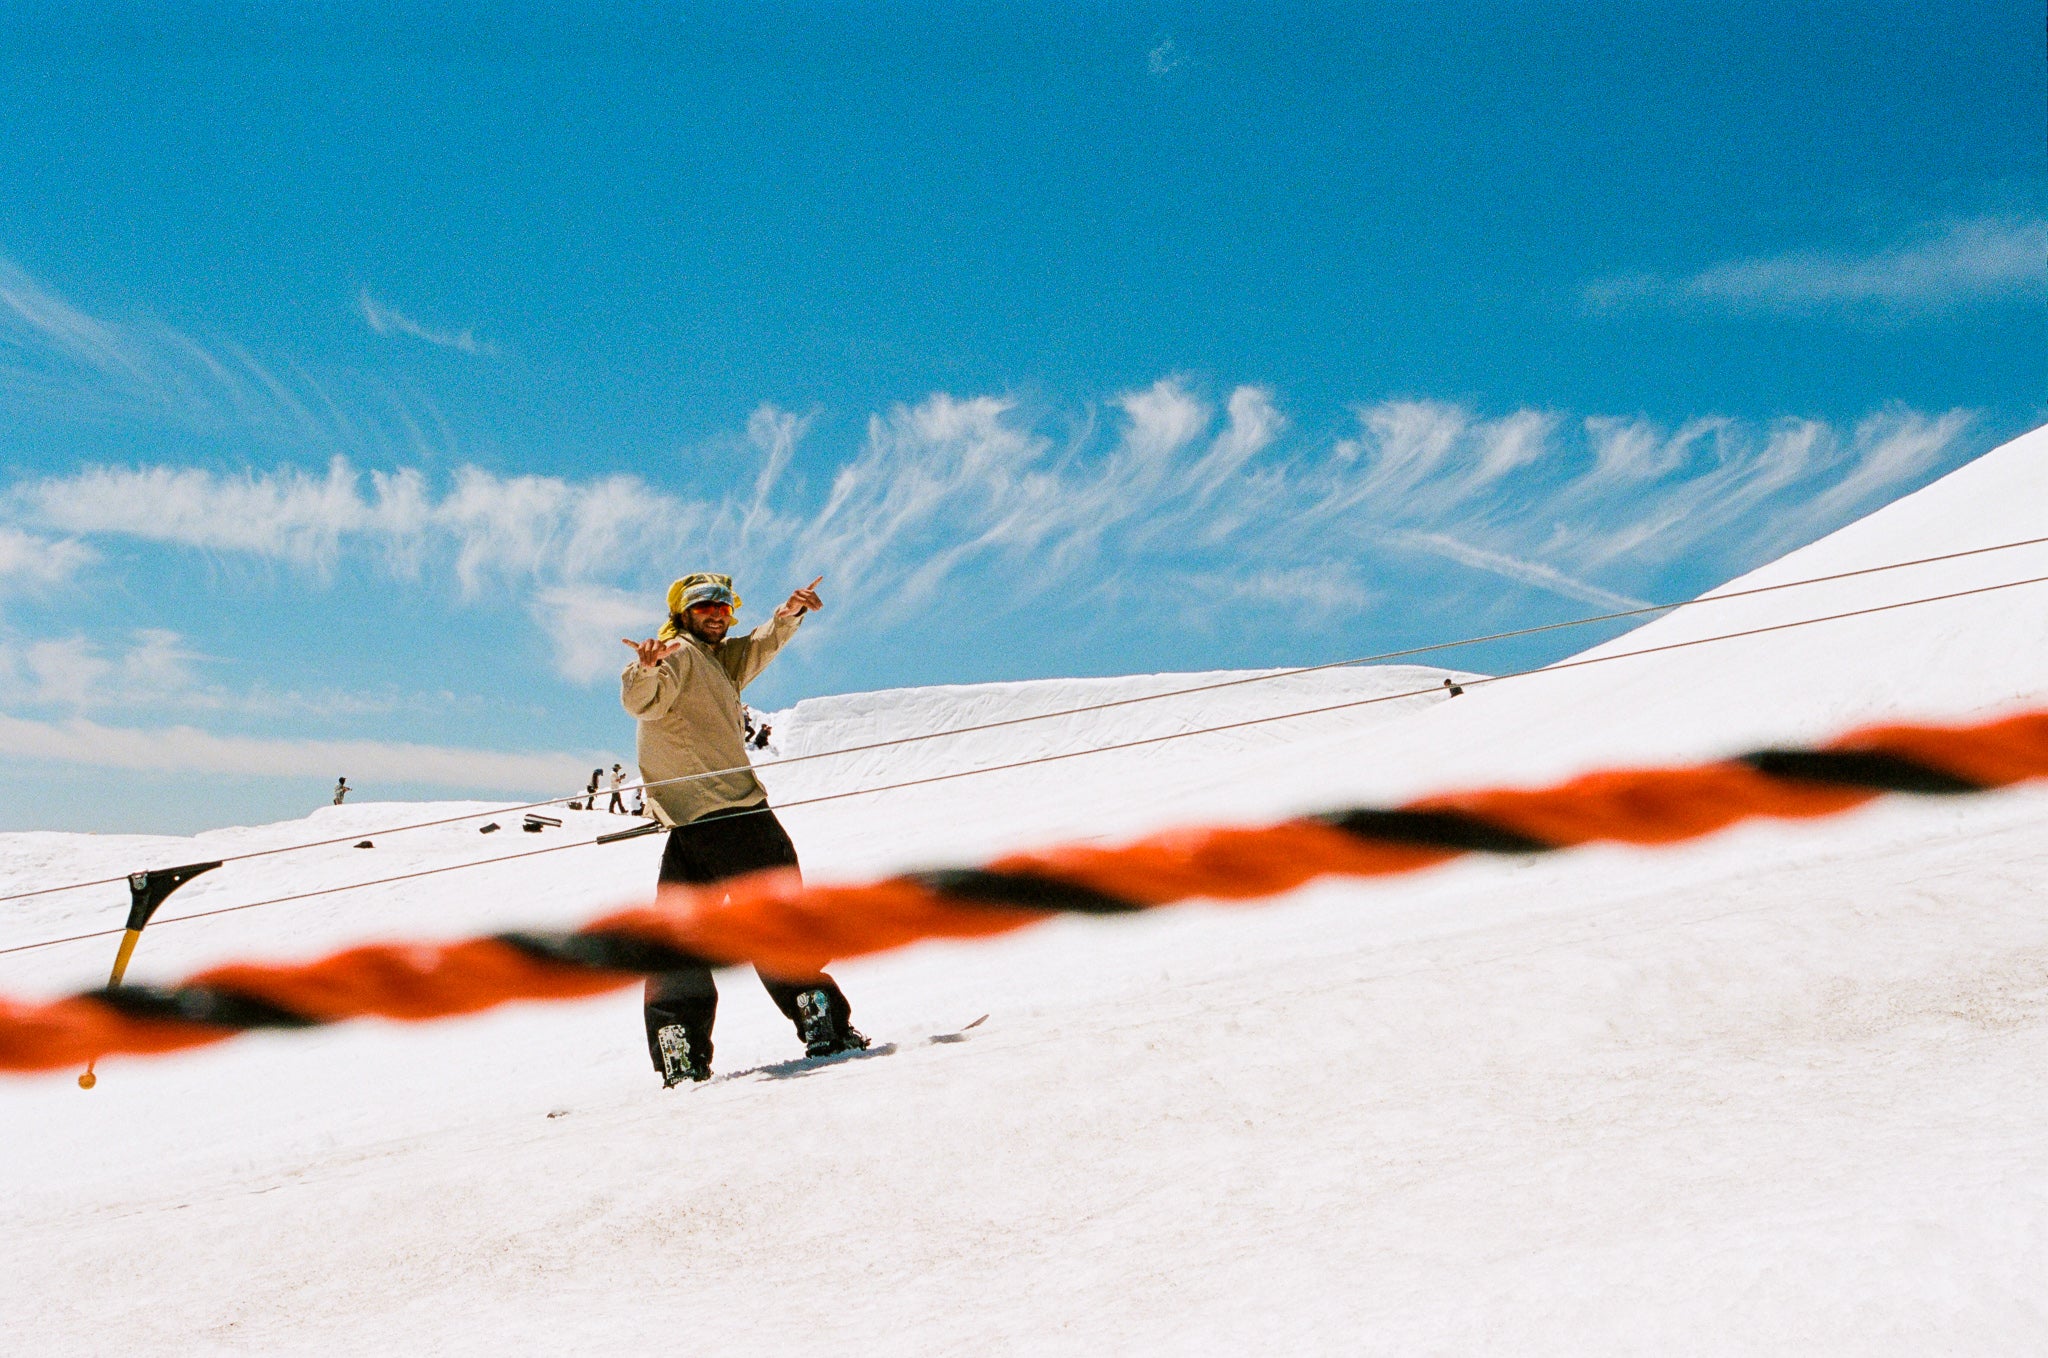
x: 803, y: 601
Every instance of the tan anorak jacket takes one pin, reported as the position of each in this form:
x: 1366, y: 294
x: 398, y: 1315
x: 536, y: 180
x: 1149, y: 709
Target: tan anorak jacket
x: 688, y: 708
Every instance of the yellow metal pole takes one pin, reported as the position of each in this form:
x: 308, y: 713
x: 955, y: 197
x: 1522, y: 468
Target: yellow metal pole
x: 146, y: 891
x: 128, y: 938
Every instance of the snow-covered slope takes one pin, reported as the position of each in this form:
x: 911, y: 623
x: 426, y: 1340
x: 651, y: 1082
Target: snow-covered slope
x: 1775, y: 1092
x: 1043, y: 802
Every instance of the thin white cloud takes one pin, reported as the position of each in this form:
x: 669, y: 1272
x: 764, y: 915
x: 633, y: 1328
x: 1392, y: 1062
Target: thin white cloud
x: 386, y: 321
x: 511, y: 528
x: 1888, y: 448
x: 1164, y: 418
x: 965, y: 495
x: 952, y: 486
x: 774, y: 434
x: 32, y: 313
x: 494, y: 528
x: 1402, y: 443
x: 29, y: 561
x: 153, y: 669
x: 586, y: 623
x: 1638, y: 450
x: 1937, y: 267
x: 80, y: 672
x: 288, y: 514
x: 186, y: 749
x: 1251, y: 425
x: 1420, y: 459
x: 58, y: 360
x: 1288, y: 595
x: 1523, y: 572
x: 1163, y: 59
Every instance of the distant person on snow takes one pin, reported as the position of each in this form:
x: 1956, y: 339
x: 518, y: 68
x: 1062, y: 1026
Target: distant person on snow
x: 341, y: 789
x: 761, y: 736
x: 590, y: 793
x: 683, y: 687
x: 618, y: 806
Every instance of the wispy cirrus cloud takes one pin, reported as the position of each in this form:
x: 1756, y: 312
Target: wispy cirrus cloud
x: 1524, y: 572
x: 389, y: 321
x: 973, y: 498
x: 966, y: 499
x: 28, y: 561
x: 60, y: 361
x: 289, y: 514
x: 1937, y: 267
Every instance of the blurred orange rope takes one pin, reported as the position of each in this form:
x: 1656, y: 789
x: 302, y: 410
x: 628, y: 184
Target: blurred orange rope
x: 774, y: 921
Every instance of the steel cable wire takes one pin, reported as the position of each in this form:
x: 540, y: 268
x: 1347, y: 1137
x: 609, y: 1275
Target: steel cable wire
x: 1074, y: 754
x: 1265, y: 677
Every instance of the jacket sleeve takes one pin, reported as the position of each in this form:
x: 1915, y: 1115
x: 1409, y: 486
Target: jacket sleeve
x: 645, y: 693
x: 744, y: 657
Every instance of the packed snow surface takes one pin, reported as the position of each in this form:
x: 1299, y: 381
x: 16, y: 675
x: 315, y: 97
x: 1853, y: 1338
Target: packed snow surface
x: 1780, y: 1091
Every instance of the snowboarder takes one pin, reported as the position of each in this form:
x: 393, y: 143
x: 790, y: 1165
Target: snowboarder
x: 618, y: 806
x: 683, y: 687
x: 341, y: 789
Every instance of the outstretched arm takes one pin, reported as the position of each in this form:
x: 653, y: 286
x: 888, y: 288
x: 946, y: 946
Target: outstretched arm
x: 744, y: 657
x: 648, y: 686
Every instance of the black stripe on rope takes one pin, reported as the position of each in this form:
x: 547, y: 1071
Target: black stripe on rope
x: 601, y: 950
x: 1859, y: 769
x: 1022, y: 891
x: 1432, y: 830
x: 219, y: 1008
x: 200, y: 1004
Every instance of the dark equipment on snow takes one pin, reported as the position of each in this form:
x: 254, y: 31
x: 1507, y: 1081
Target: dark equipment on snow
x: 365, y: 844
x: 486, y: 829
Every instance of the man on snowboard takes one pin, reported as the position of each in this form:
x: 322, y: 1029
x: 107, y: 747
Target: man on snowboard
x: 683, y: 688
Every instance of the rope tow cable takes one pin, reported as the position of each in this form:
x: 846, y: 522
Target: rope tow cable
x: 1267, y: 677
x: 1069, y: 754
x: 774, y: 921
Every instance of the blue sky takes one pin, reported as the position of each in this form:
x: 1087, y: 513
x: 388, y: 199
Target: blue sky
x: 363, y: 379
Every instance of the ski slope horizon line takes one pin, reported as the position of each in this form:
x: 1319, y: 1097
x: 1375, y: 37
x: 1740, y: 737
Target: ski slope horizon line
x: 996, y: 768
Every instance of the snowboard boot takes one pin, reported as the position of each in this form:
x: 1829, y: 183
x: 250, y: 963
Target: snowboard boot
x: 823, y: 1034
x: 814, y: 1023
x: 683, y: 1057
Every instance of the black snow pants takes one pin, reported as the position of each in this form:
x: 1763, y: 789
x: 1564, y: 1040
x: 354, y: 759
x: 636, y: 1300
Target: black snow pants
x: 710, y: 849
